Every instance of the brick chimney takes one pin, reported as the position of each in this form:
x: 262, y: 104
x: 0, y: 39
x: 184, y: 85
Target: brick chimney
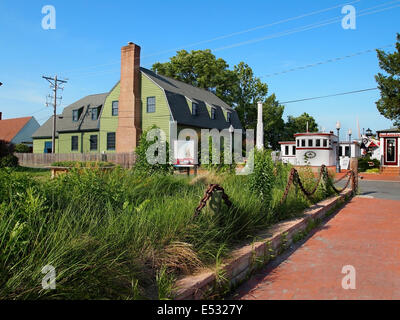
x: 129, y: 108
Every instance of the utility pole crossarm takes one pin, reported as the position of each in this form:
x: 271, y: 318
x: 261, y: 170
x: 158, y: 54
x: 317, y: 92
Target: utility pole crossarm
x: 54, y: 85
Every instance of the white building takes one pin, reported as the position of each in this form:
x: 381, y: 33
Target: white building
x: 318, y: 148
x: 389, y: 150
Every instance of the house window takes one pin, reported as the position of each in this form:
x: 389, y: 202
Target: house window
x: 194, y: 109
x: 75, y: 115
x: 151, y: 104
x: 298, y: 143
x: 114, y: 111
x: 340, y: 151
x: 93, y: 142
x: 74, y: 143
x: 213, y: 113
x: 110, y: 140
x: 318, y: 142
x: 228, y: 117
x: 325, y: 143
x: 303, y: 142
x: 286, y: 150
x: 95, y: 113
x: 310, y: 142
x: 347, y: 151
x: 294, y: 150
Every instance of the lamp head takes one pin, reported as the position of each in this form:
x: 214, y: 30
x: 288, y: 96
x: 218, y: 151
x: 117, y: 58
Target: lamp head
x: 338, y: 125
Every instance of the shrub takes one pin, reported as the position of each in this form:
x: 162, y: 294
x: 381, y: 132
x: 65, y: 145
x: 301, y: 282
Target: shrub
x: 6, y: 148
x: 9, y: 161
x: 262, y: 180
x: 142, y: 166
x: 22, y: 148
x: 364, y: 163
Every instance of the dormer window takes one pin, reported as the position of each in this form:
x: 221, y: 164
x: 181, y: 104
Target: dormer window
x: 213, y: 113
x: 75, y: 115
x: 228, y: 117
x: 194, y: 108
x: 95, y: 113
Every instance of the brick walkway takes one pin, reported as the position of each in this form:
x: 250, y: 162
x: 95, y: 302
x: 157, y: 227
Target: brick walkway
x: 364, y: 234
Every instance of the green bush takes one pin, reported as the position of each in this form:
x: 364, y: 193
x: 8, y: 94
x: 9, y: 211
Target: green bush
x: 262, y: 179
x: 22, y: 148
x: 9, y: 161
x: 364, y: 163
x: 142, y: 166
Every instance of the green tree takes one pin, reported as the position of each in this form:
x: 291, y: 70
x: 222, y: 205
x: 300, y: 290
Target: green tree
x: 274, y: 126
x: 238, y: 87
x: 389, y: 85
x: 299, y: 124
x: 249, y: 91
x: 202, y: 69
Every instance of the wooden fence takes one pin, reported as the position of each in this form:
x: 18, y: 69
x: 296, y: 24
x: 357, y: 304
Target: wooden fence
x: 125, y: 160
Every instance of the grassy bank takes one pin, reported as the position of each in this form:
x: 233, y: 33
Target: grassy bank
x: 125, y: 235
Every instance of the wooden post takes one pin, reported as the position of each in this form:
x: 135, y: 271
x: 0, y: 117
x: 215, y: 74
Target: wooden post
x: 354, y: 168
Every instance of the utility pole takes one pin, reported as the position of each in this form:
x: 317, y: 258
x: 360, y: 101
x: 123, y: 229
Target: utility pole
x: 54, y: 85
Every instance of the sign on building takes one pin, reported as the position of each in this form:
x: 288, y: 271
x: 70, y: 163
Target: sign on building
x: 184, y: 152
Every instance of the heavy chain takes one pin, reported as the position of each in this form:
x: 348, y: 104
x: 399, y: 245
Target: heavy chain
x: 209, y: 192
x: 294, y: 178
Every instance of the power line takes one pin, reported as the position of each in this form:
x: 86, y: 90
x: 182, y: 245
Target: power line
x: 320, y: 24
x: 229, y: 35
x: 352, y: 55
x: 330, y: 95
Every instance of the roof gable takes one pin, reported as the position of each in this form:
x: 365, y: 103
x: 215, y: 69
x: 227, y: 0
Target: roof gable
x: 9, y: 128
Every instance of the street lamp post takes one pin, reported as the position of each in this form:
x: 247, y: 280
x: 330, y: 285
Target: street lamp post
x: 231, y: 130
x: 337, y: 147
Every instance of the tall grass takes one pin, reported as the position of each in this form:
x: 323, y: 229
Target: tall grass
x: 122, y: 235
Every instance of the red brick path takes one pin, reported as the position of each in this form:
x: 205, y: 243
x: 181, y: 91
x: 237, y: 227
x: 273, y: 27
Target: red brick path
x: 364, y: 234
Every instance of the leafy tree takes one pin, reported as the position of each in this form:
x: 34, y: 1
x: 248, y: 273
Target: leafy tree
x: 238, y: 87
x: 202, y: 69
x: 274, y: 126
x: 22, y: 148
x: 250, y: 90
x: 389, y: 85
x: 299, y: 124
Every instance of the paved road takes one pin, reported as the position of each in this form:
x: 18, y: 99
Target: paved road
x: 380, y: 189
x: 364, y: 234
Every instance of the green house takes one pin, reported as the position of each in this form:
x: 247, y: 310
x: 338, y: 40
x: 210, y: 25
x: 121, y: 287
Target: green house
x: 113, y: 121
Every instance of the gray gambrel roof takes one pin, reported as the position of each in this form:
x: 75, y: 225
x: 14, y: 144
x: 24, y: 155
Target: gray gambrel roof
x: 65, y: 123
x: 176, y: 93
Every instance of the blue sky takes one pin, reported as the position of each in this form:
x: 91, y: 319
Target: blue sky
x: 85, y: 48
